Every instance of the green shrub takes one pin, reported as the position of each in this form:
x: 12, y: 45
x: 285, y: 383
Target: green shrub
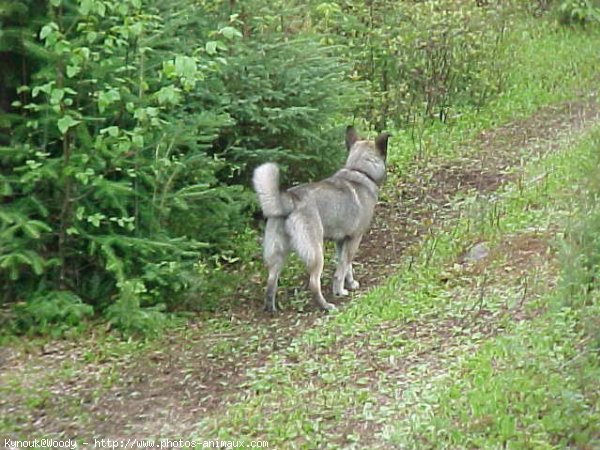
x: 578, y: 12
x: 52, y: 313
x: 287, y: 106
x: 129, y: 318
x: 104, y: 162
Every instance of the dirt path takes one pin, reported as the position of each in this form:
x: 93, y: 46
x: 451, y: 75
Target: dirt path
x: 166, y: 389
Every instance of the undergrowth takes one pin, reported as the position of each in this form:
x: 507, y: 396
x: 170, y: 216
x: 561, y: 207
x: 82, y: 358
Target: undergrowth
x: 545, y: 68
x: 536, y: 387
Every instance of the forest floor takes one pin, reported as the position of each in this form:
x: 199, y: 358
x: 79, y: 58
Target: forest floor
x: 244, y: 374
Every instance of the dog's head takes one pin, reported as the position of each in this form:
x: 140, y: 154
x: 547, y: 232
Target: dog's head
x: 379, y: 145
x: 367, y: 156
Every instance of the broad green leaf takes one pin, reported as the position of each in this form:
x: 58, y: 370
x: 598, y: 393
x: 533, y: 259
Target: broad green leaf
x: 138, y: 140
x: 62, y: 46
x: 71, y: 231
x: 65, y: 123
x: 230, y: 32
x: 169, y: 69
x: 47, y: 30
x: 106, y: 98
x: 168, y: 95
x: 112, y: 131
x: 56, y: 96
x: 136, y: 29
x: 86, y: 7
x: 124, y: 146
x: 95, y: 219
x: 85, y: 52
x: 185, y: 66
x: 91, y: 36
x: 211, y: 47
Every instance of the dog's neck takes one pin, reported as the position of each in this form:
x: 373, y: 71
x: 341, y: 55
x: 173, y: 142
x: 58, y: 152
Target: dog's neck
x: 366, y: 174
x: 362, y: 177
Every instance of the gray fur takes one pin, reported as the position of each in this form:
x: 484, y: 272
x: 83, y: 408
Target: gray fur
x: 266, y: 185
x: 338, y: 208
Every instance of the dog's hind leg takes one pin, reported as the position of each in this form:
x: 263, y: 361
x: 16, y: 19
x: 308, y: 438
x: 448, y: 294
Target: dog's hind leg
x: 306, y: 234
x: 315, y: 268
x: 350, y: 282
x: 270, y: 304
x: 276, y: 249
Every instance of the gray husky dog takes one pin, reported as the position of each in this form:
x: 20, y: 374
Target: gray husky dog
x: 339, y: 208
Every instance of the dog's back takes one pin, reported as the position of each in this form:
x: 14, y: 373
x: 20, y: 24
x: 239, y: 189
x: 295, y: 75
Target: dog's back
x: 343, y: 203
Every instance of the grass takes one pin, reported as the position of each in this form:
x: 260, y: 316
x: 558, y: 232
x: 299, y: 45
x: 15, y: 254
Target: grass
x: 31, y: 389
x: 344, y: 366
x: 538, y: 386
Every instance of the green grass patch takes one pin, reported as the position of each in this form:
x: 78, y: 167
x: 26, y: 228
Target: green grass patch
x: 538, y: 386
x: 60, y: 387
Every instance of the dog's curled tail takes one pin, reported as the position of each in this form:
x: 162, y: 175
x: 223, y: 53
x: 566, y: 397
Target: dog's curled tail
x: 273, y: 202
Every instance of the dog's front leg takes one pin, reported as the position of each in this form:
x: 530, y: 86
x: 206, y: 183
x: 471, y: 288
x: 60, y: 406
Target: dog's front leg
x: 341, y: 271
x: 344, y: 275
x: 349, y: 281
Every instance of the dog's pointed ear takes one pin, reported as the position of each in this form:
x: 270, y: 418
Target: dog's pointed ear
x: 381, y: 143
x: 351, y: 137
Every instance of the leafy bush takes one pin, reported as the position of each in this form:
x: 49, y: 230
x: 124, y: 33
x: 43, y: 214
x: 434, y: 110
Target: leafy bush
x: 103, y: 160
x: 52, y: 313
x: 19, y: 20
x: 579, y: 11
x: 129, y: 318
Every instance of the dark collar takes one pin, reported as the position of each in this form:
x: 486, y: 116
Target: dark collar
x: 365, y: 174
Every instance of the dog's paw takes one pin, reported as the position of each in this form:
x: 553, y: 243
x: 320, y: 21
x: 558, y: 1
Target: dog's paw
x: 329, y: 307
x: 271, y: 309
x: 342, y: 292
x: 353, y: 285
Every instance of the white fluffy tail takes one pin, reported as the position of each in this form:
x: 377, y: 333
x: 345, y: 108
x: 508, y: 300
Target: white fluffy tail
x: 274, y: 203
